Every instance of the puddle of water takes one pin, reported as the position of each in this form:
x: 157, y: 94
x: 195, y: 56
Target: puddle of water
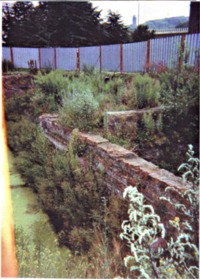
x: 55, y: 261
x: 26, y: 209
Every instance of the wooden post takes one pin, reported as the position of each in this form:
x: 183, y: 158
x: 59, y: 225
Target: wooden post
x: 182, y: 49
x: 148, y: 55
x: 11, y: 55
x: 121, y: 58
x: 55, y: 59
x: 39, y: 58
x: 78, y: 59
x: 100, y: 58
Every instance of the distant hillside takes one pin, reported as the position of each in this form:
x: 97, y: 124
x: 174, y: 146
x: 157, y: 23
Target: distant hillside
x: 165, y: 23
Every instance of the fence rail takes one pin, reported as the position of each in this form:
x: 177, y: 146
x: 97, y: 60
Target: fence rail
x: 132, y: 57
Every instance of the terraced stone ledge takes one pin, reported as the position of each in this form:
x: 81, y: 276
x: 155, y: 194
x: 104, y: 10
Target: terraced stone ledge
x: 126, y: 122
x: 121, y: 167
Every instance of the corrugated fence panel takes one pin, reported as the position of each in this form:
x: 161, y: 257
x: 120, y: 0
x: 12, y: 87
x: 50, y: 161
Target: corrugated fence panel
x: 47, y: 58
x: 134, y: 57
x: 21, y: 56
x: 6, y: 53
x: 192, y: 45
x: 66, y: 58
x: 111, y: 58
x: 90, y: 56
x: 165, y: 51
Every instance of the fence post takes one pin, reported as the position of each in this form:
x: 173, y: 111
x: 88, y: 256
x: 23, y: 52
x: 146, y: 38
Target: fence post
x: 55, y: 59
x: 78, y: 59
x: 121, y: 57
x: 11, y: 55
x: 100, y: 58
x: 39, y: 58
x: 182, y: 49
x: 148, y: 55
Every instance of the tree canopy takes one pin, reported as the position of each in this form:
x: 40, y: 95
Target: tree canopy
x: 62, y: 24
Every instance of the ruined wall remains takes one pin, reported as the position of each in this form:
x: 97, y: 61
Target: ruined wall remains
x: 16, y: 84
x: 126, y: 123
x: 121, y: 167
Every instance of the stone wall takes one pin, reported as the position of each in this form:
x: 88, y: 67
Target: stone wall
x: 126, y: 123
x: 121, y: 167
x: 17, y: 84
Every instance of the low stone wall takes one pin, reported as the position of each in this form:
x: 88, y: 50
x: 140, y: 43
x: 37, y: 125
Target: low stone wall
x: 121, y: 167
x: 16, y: 84
x: 125, y: 123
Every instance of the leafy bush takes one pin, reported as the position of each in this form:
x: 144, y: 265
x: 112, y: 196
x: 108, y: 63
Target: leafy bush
x: 149, y: 123
x: 144, y: 92
x: 80, y: 110
x: 88, y: 69
x: 19, y: 105
x: 21, y: 134
x: 81, y: 239
x: 180, y: 89
x: 52, y: 86
x: 153, y: 254
x: 180, y: 94
x: 40, y: 257
x: 7, y: 66
x: 141, y: 231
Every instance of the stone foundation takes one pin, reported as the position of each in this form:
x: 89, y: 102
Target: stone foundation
x: 17, y: 84
x: 125, y: 123
x: 121, y: 167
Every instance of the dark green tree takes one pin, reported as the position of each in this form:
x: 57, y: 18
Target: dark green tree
x: 142, y: 34
x: 52, y: 24
x: 116, y: 31
x: 14, y: 31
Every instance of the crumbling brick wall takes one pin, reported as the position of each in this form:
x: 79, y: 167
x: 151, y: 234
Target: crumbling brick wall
x: 121, y: 167
x: 126, y: 123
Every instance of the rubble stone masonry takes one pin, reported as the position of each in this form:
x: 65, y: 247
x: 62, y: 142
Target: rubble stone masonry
x: 122, y: 167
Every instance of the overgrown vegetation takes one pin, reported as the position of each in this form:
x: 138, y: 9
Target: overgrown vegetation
x: 170, y: 131
x: 80, y: 110
x: 7, y: 66
x: 72, y: 196
x: 153, y: 253
x: 143, y: 92
x: 40, y: 256
x: 84, y: 214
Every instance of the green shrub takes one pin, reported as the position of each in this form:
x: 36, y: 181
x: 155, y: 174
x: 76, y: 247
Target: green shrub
x: 81, y: 239
x: 19, y: 105
x: 40, y: 257
x: 80, y: 110
x: 52, y: 87
x: 180, y: 95
x: 88, y: 69
x: 180, y: 89
x: 21, y: 135
x: 149, y: 123
x: 7, y: 66
x: 144, y: 92
x: 153, y: 253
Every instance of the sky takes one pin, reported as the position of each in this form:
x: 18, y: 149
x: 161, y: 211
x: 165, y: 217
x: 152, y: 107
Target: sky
x: 148, y: 10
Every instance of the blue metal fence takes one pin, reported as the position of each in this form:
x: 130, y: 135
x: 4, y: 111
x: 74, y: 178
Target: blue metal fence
x: 111, y: 58
x: 21, y: 56
x: 165, y: 51
x: 90, y: 56
x: 134, y: 57
x: 130, y: 57
x: 66, y: 58
x: 192, y: 49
